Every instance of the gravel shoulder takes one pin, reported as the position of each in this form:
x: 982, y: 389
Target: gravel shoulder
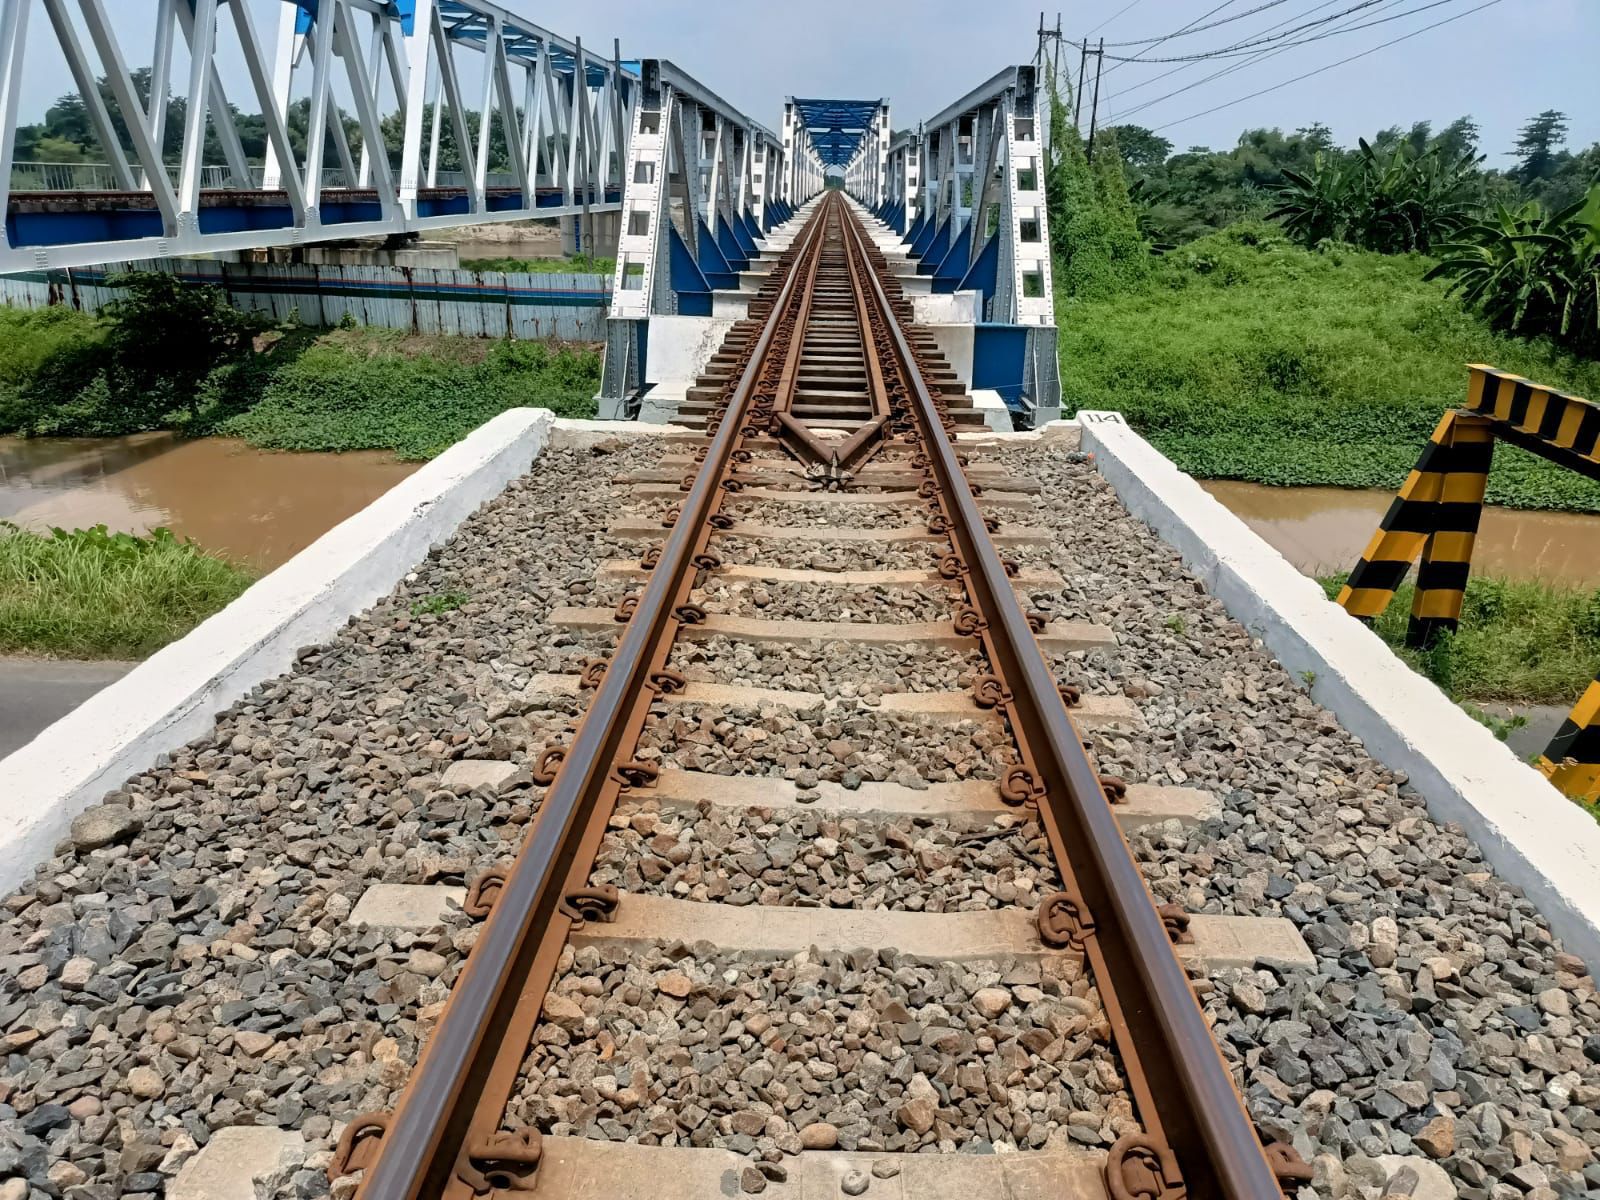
x: 186, y: 962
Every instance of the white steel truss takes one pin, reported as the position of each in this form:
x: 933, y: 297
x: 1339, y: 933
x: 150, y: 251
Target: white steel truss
x: 979, y: 166
x: 804, y: 175
x: 563, y: 111
x: 703, y: 183
x: 866, y: 177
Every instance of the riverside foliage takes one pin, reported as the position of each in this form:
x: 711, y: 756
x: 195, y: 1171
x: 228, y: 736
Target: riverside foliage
x: 94, y: 594
x: 1245, y: 356
x: 172, y: 356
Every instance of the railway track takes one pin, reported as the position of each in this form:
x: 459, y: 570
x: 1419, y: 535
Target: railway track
x: 826, y: 399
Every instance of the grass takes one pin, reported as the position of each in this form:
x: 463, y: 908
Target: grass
x: 379, y: 389
x: 442, y: 603
x: 578, y: 264
x: 1520, y: 641
x: 93, y: 594
x: 1249, y: 358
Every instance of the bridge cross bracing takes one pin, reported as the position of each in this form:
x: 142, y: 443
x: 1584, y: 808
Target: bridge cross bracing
x: 368, y: 72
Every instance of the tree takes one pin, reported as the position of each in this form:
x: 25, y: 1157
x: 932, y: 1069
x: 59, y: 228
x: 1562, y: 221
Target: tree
x: 1140, y: 147
x: 1093, y: 233
x: 1536, y: 147
x: 1458, y: 138
x: 1394, y: 201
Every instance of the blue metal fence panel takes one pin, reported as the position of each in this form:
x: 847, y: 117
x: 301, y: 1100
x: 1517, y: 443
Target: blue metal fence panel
x: 571, y: 306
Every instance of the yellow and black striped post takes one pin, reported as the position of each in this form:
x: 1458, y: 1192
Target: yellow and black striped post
x: 1565, y: 429
x: 1572, y: 759
x: 1447, y: 555
x: 1435, y: 516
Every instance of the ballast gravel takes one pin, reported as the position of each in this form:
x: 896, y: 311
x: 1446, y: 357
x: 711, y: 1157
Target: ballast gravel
x: 846, y: 746
x: 756, y: 856
x: 844, y: 515
x: 832, y: 669
x: 688, y: 1045
x: 826, y: 601
x: 1443, y: 1022
x: 186, y: 962
x: 810, y: 554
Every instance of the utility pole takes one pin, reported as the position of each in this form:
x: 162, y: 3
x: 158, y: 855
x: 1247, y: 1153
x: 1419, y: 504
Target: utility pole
x: 1094, y: 109
x: 1077, y: 96
x: 1049, y: 58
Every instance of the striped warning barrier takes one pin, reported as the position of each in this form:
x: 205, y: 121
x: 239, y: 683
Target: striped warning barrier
x: 1435, y: 516
x: 1572, y: 759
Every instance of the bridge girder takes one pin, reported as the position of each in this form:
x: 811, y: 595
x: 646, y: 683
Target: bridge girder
x: 565, y: 126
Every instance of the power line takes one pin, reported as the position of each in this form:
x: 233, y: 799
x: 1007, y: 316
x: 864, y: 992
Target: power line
x: 1259, y: 56
x: 1241, y: 49
x: 1113, y: 17
x: 1320, y: 70
x: 1209, y: 13
x: 1134, y: 87
x: 1197, y: 29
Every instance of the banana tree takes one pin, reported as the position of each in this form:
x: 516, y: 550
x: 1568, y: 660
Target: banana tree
x: 1532, y: 272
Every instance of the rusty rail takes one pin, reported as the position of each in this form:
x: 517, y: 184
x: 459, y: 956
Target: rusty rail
x: 1197, y: 1139
x: 444, y: 1138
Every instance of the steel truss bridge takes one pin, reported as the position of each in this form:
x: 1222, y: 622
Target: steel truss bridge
x: 689, y: 184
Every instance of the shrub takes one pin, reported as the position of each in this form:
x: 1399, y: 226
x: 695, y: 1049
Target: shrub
x: 1247, y: 357
x: 1392, y: 202
x: 367, y: 393
x: 1532, y: 272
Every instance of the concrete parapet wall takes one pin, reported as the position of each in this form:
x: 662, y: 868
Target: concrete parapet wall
x: 1534, y: 836
x: 175, y: 695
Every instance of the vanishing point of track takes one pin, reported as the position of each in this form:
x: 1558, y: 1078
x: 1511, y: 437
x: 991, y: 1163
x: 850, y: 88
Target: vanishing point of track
x: 828, y: 371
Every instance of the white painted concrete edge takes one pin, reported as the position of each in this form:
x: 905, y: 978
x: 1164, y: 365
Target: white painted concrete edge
x: 1534, y: 836
x: 174, y: 696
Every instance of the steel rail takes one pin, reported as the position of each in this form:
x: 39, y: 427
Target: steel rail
x: 1198, y: 1140
x: 444, y: 1138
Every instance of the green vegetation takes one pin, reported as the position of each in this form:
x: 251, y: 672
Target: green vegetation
x: 1184, y: 196
x: 1532, y: 272
x: 165, y: 355
x: 1247, y: 357
x: 93, y: 594
x: 442, y: 603
x: 578, y: 264
x: 1520, y: 640
x: 1094, y: 235
x: 1394, y: 201
x: 378, y: 389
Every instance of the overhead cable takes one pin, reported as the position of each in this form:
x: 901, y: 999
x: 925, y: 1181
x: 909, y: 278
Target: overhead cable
x: 1320, y: 70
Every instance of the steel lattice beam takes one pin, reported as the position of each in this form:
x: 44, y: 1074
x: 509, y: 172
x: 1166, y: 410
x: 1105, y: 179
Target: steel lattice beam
x: 564, y: 111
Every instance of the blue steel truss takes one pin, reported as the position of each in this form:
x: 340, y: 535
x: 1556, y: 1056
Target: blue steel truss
x: 836, y: 127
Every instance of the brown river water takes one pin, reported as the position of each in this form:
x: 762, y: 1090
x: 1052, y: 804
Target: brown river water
x: 262, y: 506
x: 1322, y: 530
x: 255, y: 506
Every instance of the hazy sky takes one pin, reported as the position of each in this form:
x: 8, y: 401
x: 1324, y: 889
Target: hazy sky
x: 1499, y: 65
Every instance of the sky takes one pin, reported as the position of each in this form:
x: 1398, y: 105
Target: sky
x: 1500, y: 65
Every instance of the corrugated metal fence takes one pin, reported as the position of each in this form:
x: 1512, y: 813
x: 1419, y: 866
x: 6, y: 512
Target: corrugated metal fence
x: 470, y: 303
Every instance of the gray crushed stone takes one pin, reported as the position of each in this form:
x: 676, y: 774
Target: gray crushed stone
x: 1443, y: 1019
x: 756, y: 856
x: 682, y: 1045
